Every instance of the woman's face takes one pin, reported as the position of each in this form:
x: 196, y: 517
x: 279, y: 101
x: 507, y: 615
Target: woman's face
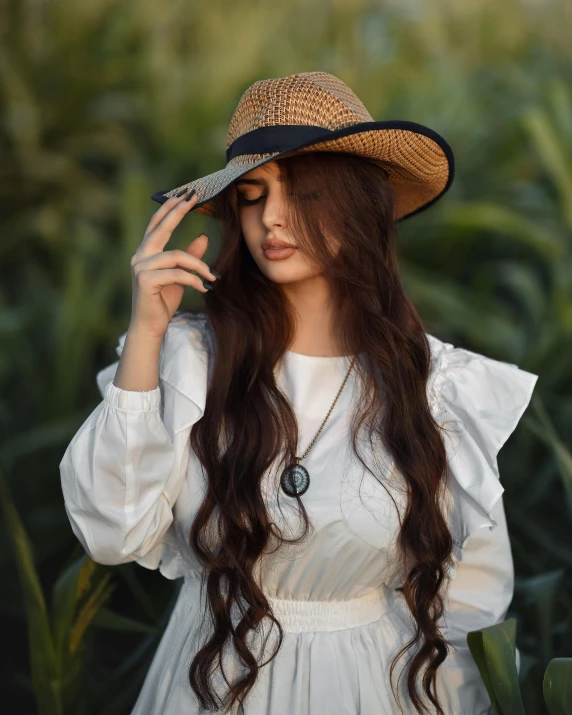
x: 266, y: 219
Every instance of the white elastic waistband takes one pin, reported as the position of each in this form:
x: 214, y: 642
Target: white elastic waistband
x: 298, y: 616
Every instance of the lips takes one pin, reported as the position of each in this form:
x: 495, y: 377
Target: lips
x: 274, y: 243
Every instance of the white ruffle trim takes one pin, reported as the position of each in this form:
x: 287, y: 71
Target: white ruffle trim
x: 479, y: 401
x: 166, y: 556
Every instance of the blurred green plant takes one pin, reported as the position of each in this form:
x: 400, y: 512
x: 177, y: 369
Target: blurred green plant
x: 58, y: 643
x: 493, y: 650
x: 103, y: 103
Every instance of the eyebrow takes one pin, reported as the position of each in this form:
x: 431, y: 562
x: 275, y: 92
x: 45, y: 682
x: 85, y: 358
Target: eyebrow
x: 255, y: 182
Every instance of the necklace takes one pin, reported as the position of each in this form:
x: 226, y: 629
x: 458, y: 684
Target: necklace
x: 295, y: 479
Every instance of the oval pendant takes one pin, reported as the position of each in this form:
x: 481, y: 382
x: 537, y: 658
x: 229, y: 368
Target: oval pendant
x: 295, y: 480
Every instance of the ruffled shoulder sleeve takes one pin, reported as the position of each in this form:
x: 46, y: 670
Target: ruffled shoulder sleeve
x: 478, y: 401
x: 184, y: 367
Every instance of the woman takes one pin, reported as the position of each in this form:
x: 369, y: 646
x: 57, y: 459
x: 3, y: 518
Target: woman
x: 301, y: 452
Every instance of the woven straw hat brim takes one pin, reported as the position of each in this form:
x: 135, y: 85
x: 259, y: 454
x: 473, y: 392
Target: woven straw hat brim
x: 418, y: 161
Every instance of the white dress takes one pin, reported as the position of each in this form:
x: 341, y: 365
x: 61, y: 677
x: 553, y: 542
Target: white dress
x: 132, y: 487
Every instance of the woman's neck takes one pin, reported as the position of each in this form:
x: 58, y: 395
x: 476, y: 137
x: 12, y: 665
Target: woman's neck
x: 314, y: 334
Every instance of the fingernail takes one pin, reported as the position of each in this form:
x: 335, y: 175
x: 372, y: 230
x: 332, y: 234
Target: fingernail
x: 215, y: 273
x: 183, y: 191
x: 208, y: 285
x: 190, y: 196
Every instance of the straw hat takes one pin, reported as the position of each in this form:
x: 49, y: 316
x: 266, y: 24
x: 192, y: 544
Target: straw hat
x: 316, y: 111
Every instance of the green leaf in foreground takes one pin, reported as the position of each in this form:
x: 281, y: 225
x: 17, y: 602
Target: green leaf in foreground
x: 113, y: 621
x: 493, y: 650
x: 47, y: 686
x: 557, y: 686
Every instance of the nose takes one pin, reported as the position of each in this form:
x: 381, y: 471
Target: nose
x: 274, y: 208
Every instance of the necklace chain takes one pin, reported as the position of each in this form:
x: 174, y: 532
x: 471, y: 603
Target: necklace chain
x: 295, y: 479
x: 299, y: 459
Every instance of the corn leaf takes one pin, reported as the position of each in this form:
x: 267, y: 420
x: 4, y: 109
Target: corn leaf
x: 557, y: 686
x: 94, y: 602
x: 493, y: 650
x: 113, y: 621
x: 66, y: 593
x: 45, y: 676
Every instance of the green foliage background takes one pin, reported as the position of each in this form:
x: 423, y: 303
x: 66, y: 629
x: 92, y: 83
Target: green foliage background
x: 104, y: 102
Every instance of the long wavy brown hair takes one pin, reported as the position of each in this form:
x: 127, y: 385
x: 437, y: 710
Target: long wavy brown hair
x: 347, y: 198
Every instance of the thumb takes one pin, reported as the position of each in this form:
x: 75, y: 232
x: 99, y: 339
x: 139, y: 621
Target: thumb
x: 198, y: 246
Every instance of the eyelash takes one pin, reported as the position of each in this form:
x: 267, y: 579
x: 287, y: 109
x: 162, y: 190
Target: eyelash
x: 249, y: 202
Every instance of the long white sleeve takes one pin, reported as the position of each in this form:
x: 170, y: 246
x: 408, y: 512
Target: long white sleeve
x: 479, y: 596
x: 124, y: 469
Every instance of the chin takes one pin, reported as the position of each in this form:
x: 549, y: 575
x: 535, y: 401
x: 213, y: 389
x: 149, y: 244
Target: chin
x: 282, y: 274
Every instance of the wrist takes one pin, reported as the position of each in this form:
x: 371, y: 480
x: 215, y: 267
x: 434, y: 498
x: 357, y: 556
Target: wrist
x: 138, y: 333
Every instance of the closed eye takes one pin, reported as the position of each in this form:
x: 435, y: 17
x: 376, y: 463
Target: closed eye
x: 242, y: 201
x: 248, y: 202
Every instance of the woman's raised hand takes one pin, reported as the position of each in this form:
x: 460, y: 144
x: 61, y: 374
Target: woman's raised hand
x: 159, y: 277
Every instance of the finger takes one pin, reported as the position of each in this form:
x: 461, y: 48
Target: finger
x: 164, y: 209
x: 160, y: 235
x: 157, y: 239
x: 173, y: 259
x: 156, y: 280
x: 198, y: 245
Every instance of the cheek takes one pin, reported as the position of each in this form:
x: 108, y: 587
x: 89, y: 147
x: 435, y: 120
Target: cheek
x: 246, y: 220
x: 252, y: 226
